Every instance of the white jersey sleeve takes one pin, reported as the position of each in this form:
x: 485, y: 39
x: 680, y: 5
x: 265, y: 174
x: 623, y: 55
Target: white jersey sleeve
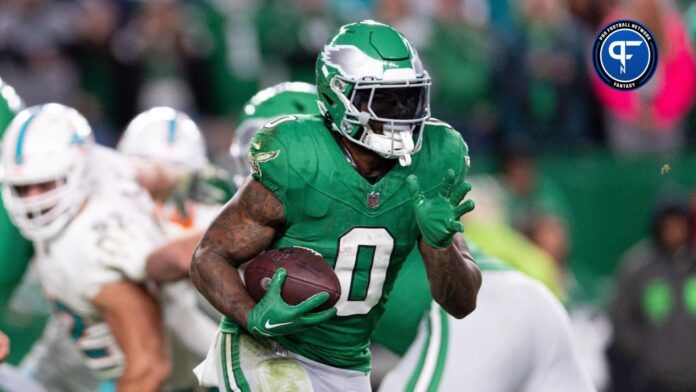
x: 557, y: 366
x: 517, y: 339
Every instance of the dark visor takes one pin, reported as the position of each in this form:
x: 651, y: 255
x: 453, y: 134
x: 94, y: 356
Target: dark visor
x: 401, y: 103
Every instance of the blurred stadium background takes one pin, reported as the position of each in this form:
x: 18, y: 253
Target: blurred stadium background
x: 568, y: 174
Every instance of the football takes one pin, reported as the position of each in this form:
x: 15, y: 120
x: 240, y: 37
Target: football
x: 307, y: 274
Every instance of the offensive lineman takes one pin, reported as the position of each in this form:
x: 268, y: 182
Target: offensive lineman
x: 75, y: 200
x: 519, y: 338
x: 367, y: 174
x: 168, y: 151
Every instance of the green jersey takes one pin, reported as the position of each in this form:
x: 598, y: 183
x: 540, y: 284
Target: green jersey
x: 411, y: 298
x: 364, y: 231
x: 15, y: 250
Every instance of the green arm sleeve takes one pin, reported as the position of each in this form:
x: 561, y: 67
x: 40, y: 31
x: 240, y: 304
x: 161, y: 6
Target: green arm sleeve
x: 15, y: 254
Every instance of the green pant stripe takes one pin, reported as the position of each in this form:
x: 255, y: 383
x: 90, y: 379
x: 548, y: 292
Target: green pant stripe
x: 234, y: 379
x: 237, y: 366
x: 431, y: 364
x: 223, y: 359
x: 421, y: 361
x: 442, y: 355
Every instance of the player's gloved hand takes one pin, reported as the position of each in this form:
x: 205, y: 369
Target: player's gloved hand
x: 273, y: 317
x: 438, y: 218
x: 124, y: 248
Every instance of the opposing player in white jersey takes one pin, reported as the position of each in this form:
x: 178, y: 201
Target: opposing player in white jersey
x: 168, y: 150
x: 517, y: 339
x: 78, y: 202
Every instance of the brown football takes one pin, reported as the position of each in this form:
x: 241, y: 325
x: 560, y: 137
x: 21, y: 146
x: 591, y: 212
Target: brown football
x: 307, y: 274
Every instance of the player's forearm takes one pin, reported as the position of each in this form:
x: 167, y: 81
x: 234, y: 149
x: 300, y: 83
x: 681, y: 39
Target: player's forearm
x: 220, y: 284
x: 134, y: 318
x: 172, y: 261
x: 143, y: 374
x: 454, y: 277
x: 4, y: 347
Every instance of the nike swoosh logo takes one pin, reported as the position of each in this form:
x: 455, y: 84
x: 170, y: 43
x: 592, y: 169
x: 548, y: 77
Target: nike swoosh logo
x: 271, y: 326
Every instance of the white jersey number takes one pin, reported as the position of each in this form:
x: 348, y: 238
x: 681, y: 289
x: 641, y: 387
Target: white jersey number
x: 361, y: 266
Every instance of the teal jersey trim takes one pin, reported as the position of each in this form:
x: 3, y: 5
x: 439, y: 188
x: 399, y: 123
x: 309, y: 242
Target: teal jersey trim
x: 107, y: 386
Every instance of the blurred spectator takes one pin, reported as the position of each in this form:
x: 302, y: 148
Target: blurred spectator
x: 550, y: 233
x: 652, y: 118
x: 591, y: 12
x: 461, y: 56
x: 290, y: 37
x: 109, y: 79
x: 654, y: 309
x: 691, y: 21
x: 33, y: 34
x: 545, y: 93
x: 536, y: 207
x: 533, y: 202
x: 404, y: 16
x: 173, y: 46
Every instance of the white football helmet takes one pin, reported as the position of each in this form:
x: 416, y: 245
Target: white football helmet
x: 166, y: 135
x: 46, y: 144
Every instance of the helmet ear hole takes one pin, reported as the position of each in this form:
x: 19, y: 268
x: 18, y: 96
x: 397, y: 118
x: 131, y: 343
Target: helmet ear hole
x: 328, y: 99
x: 338, y: 84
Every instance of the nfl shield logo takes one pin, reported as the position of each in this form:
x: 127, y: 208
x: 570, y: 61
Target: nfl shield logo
x: 373, y: 200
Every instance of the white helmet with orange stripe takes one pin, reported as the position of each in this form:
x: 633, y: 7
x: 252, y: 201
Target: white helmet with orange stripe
x: 46, y: 153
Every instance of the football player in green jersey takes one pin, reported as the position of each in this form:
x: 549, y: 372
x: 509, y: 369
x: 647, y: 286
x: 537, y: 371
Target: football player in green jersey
x: 15, y: 250
x: 361, y: 184
x: 171, y: 261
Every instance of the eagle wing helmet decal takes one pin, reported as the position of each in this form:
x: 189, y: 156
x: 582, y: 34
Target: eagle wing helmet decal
x: 351, y: 61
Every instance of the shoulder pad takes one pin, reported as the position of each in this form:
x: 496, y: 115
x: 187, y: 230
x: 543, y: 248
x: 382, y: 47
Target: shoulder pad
x: 445, y: 147
x: 283, y: 152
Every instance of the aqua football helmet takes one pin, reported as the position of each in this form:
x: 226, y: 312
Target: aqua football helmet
x: 369, y: 74
x: 50, y: 147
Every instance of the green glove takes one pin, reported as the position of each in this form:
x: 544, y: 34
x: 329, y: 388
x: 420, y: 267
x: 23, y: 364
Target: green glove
x: 438, y: 218
x: 274, y: 317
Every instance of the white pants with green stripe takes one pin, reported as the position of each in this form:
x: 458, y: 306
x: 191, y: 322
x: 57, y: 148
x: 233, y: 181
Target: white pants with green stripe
x: 238, y: 362
x: 518, y: 339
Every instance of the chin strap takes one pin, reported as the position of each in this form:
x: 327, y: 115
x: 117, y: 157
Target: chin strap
x: 386, y: 141
x: 407, y: 139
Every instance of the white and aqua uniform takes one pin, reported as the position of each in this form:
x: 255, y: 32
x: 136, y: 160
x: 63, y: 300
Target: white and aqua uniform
x: 517, y: 339
x: 105, y: 243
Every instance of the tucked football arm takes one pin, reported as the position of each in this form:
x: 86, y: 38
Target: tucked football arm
x: 454, y: 277
x: 244, y: 228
